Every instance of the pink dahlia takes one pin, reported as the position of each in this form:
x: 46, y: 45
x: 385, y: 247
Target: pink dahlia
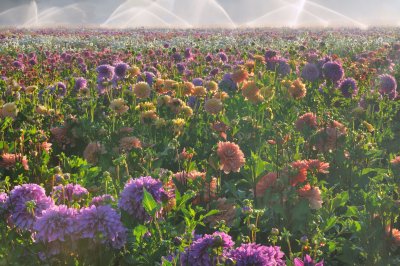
x: 308, y: 120
x: 313, y: 194
x: 231, y: 157
x: 264, y: 183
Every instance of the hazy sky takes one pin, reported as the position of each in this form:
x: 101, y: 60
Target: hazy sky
x: 194, y: 13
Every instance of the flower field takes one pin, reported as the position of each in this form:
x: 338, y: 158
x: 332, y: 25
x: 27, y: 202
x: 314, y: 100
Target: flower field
x: 199, y: 147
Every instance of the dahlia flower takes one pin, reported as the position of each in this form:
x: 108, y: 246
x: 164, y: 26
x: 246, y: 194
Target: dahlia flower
x: 227, y: 213
x: 308, y: 120
x: 9, y: 110
x: 299, y: 173
x: 121, y: 69
x: 297, y: 89
x: 142, y: 90
x: 105, y: 73
x: 257, y: 255
x: 310, y: 72
x: 26, y: 203
x: 3, y: 203
x: 105, y: 199
x: 307, y: 261
x: 231, y: 157
x: 333, y: 71
x: 119, y: 106
x: 348, y: 87
x: 132, y: 196
x: 265, y: 182
x: 213, y: 106
x: 388, y: 86
x: 55, y: 223
x: 8, y: 160
x: 128, y: 143
x: 80, y: 84
x: 101, y: 224
x: 239, y: 75
x: 313, y: 195
x: 69, y: 193
x: 205, y: 250
x: 92, y: 152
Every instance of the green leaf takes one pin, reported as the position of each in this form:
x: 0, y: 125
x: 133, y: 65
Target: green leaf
x: 139, y: 231
x: 149, y: 203
x: 210, y: 213
x: 330, y: 223
x: 352, y: 211
x: 340, y: 200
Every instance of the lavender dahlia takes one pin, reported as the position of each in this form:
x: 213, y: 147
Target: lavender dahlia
x: 69, y: 192
x: 26, y: 203
x: 223, y: 57
x: 121, y: 69
x: 102, y: 224
x: 388, y: 86
x: 55, y: 223
x: 147, y: 77
x: 257, y: 255
x: 227, y: 84
x: 333, y: 71
x: 310, y: 72
x: 80, y: 83
x: 132, y: 196
x: 207, y: 250
x: 197, y: 82
x: 105, y: 73
x: 3, y: 203
x: 60, y: 89
x: 348, y: 87
x: 18, y: 64
x: 307, y: 261
x: 105, y: 199
x: 269, y: 54
x: 280, y: 65
x: 181, y: 67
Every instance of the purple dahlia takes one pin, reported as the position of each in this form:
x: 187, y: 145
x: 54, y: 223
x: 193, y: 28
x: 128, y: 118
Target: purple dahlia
x: 280, y: 65
x: 18, y: 64
x: 121, y: 69
x: 177, y: 57
x: 223, y: 57
x: 181, y: 67
x: 348, y: 87
x: 26, y: 203
x: 307, y: 261
x: 105, y: 199
x: 188, y: 53
x: 207, y: 250
x: 105, y: 73
x: 102, y: 224
x: 69, y: 192
x: 3, y: 203
x: 55, y: 223
x: 208, y: 58
x: 257, y: 255
x: 310, y: 72
x: 269, y: 54
x: 132, y: 196
x: 197, y: 82
x: 60, y: 89
x: 147, y: 76
x: 333, y: 71
x: 80, y: 83
x: 227, y: 84
x: 388, y: 86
